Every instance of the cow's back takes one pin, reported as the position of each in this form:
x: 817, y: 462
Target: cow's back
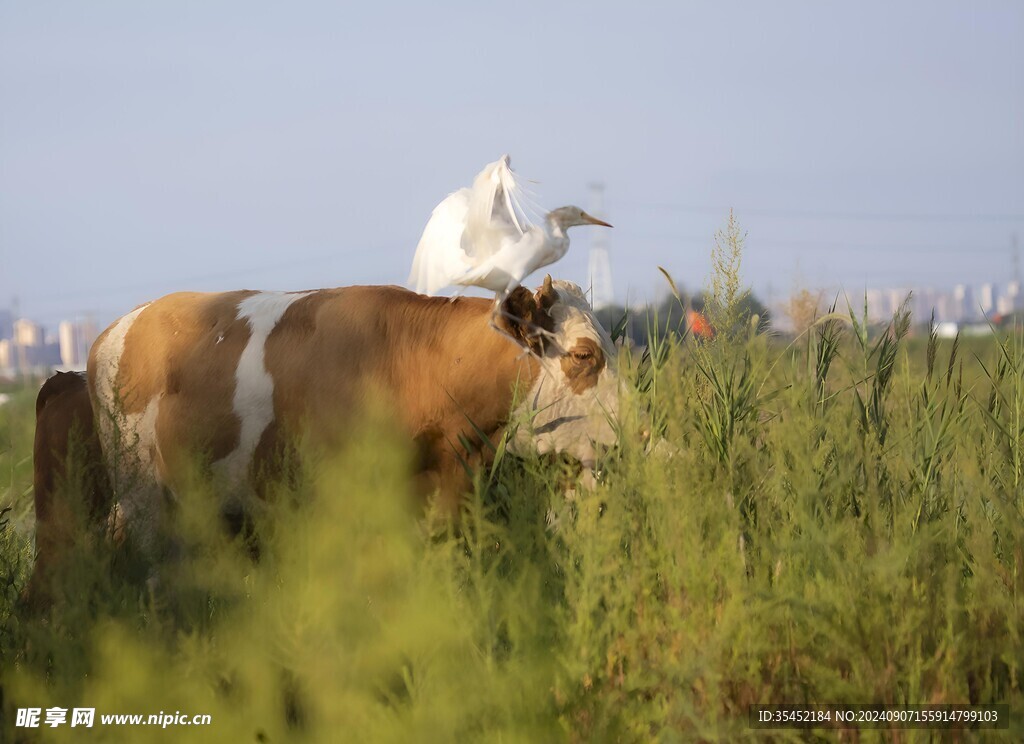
x: 432, y: 361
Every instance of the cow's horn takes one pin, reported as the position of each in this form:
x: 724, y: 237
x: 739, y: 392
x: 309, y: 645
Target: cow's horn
x: 547, y: 296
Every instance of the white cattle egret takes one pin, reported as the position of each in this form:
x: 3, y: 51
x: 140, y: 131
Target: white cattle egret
x: 480, y: 236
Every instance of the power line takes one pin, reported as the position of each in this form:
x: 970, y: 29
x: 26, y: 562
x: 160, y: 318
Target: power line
x: 824, y: 244
x: 202, y: 278
x: 816, y: 215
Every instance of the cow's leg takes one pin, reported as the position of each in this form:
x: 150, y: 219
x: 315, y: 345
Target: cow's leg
x: 142, y: 518
x: 453, y: 483
x: 440, y: 475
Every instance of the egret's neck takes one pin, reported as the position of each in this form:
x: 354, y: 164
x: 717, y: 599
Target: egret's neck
x: 554, y: 227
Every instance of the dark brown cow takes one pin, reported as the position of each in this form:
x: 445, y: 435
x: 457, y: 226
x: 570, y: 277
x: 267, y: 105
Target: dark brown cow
x: 69, y: 479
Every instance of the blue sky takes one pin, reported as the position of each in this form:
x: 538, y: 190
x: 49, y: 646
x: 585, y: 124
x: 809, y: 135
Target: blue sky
x: 152, y: 147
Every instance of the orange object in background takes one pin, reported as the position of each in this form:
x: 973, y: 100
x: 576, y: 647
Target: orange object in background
x: 699, y: 325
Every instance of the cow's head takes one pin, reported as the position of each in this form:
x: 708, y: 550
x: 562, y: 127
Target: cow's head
x: 574, y: 401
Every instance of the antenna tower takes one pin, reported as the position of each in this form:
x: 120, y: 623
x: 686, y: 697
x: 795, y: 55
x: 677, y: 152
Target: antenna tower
x: 600, y: 269
x: 1015, y: 252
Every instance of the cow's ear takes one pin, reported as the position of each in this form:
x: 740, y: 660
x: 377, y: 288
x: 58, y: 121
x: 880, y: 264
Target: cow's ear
x: 546, y: 295
x: 524, y: 320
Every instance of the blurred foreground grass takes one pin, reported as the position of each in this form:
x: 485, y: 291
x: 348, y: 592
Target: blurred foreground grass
x: 842, y: 521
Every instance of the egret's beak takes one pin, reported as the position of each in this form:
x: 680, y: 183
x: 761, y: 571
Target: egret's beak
x: 593, y: 220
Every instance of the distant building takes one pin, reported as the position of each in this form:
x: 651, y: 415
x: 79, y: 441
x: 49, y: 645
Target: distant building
x: 27, y: 333
x: 923, y: 303
x: 67, y: 334
x: 963, y: 303
x: 896, y: 298
x: 987, y: 298
x: 44, y: 355
x: 29, y: 349
x: 1009, y: 301
x: 75, y: 338
x: 882, y: 304
x: 929, y: 303
x: 873, y: 298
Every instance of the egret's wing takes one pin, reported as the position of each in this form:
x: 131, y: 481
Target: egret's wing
x: 495, y: 211
x: 507, y: 197
x: 467, y: 231
x: 521, y: 201
x: 505, y: 269
x: 440, y: 257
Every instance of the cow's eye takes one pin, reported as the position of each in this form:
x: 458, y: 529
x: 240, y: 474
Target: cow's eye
x: 582, y: 355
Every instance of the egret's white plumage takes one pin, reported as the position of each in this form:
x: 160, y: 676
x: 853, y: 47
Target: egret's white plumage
x: 481, y: 236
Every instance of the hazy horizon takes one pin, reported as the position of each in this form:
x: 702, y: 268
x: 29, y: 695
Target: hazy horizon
x: 151, y: 148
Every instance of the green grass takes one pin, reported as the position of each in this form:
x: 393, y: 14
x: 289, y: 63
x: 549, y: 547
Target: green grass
x: 17, y: 425
x: 839, y: 519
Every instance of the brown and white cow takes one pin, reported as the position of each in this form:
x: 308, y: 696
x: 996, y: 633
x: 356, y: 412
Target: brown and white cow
x: 231, y: 378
